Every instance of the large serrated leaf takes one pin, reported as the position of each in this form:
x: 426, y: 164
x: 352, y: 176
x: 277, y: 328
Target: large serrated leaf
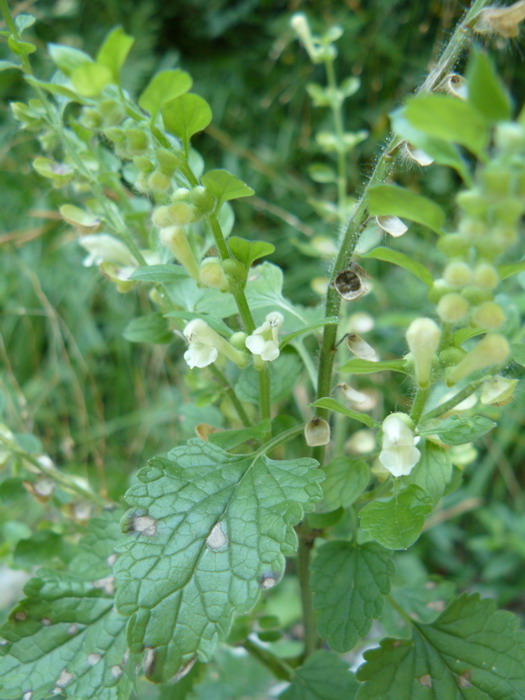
x: 324, y: 676
x: 207, y: 531
x: 346, y: 479
x: 471, y: 652
x: 65, y: 636
x: 348, y: 584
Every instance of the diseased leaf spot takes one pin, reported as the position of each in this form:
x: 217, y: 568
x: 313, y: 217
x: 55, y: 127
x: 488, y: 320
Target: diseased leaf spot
x: 72, y: 629
x: 64, y: 678
x: 437, y: 605
x: 106, y: 584
x: 20, y: 616
x: 27, y: 695
x: 217, y: 538
x: 268, y: 580
x: 464, y: 680
x: 426, y: 680
x: 150, y: 660
x: 116, y: 671
x: 94, y: 659
x: 184, y: 670
x: 45, y: 621
x: 111, y: 559
x: 143, y: 525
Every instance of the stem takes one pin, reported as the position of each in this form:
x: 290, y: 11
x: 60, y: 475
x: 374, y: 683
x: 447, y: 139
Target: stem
x: 339, y: 131
x: 449, y: 405
x: 264, y: 394
x: 279, y: 440
x: 400, y: 610
x: 311, y: 639
x: 279, y: 668
x: 419, y: 404
x: 230, y: 392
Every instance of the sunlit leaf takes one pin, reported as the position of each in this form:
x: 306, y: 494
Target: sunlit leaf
x: 401, y: 260
x: 323, y: 676
x: 391, y: 200
x: 163, y: 87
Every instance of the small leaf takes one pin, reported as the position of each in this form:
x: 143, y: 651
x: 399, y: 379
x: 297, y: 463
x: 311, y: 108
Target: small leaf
x: 348, y: 585
x: 323, y: 676
x: 463, y: 334
x: 152, y: 328
x: 458, y: 431
x: 510, y: 269
x: 40, y: 548
x: 448, y: 118
x: 23, y: 21
x: 346, y: 479
x: 186, y: 115
x: 6, y: 65
x: 225, y: 186
x: 322, y: 173
x: 214, y: 529
x: 396, y: 523
x: 358, y: 366
x: 160, y: 274
x: 226, y: 439
x: 249, y: 251
x: 90, y: 78
x: 335, y: 405
x: 68, y: 59
x: 163, y: 87
x: 391, y: 200
x: 485, y: 90
x: 401, y: 260
x: 55, y: 89
x: 86, y: 221
x: 114, y: 51
x: 19, y: 47
x: 432, y: 472
x: 307, y: 330
x: 319, y: 95
x: 471, y: 651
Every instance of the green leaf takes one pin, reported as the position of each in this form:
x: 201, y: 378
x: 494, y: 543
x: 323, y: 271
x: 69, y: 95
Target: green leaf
x: 114, y: 51
x: 472, y: 651
x: 358, y: 366
x: 446, y: 117
x: 401, y: 260
x: 463, y: 334
x: 396, y: 522
x: 391, y: 200
x: 55, y: 89
x: 68, y: 59
x: 518, y: 353
x: 6, y: 65
x: 485, y: 90
x: 433, y: 471
x: 152, y: 328
x: 40, y: 548
x: 284, y: 373
x: 186, y: 115
x: 457, y: 431
x: 324, y: 676
x: 348, y: 585
x: 225, y: 186
x: 346, y: 479
x: 163, y: 87
x: 23, y: 21
x: 425, y: 599
x: 66, y: 631
x: 249, y: 251
x: 443, y: 152
x: 226, y: 439
x: 510, y: 269
x: 160, y: 274
x: 90, y: 78
x: 207, y: 531
x: 335, y: 405
x: 322, y: 173
x: 19, y: 47
x: 307, y: 330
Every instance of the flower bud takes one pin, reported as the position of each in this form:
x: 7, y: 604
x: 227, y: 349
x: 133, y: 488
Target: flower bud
x: 472, y: 201
x: 136, y: 141
x: 493, y: 349
x: 202, y: 199
x: 423, y: 337
x: 143, y: 165
x: 438, y: 290
x: 238, y: 340
x: 211, y: 274
x: 486, y: 276
x: 476, y: 295
x: 168, y: 161
x: 158, y: 182
x: 452, y: 308
x: 175, y: 240
x: 457, y: 274
x: 317, y: 432
x: 454, y: 245
x: 235, y: 272
x: 451, y: 356
x: 488, y: 316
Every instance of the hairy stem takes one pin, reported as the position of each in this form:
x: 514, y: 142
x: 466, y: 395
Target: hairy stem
x: 279, y: 668
x: 311, y: 638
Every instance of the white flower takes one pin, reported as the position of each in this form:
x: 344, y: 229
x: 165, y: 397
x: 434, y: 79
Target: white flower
x: 205, y: 345
x: 398, y: 455
x: 264, y: 341
x: 105, y: 248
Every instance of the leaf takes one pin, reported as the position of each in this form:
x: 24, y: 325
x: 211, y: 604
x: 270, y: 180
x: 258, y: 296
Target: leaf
x: 472, y: 651
x: 319, y: 172
x: 19, y: 47
x: 457, y: 431
x: 66, y: 631
x: 335, y: 405
x: 463, y: 334
x: 160, y: 274
x: 249, y: 251
x: 358, y: 366
x: 24, y: 21
x: 163, y: 87
x: 346, y: 479
x: 114, y: 51
x: 226, y: 439
x: 396, y: 523
x: 348, y: 585
x: 391, y: 200
x: 510, y: 269
x: 38, y: 549
x: 226, y: 186
x: 448, y: 118
x: 55, y: 89
x: 152, y: 328
x: 401, y: 260
x: 214, y: 529
x: 324, y: 676
x: 485, y: 90
x: 284, y: 373
x: 307, y: 330
x: 6, y: 65
x: 185, y: 116
x: 68, y: 59
x: 442, y: 152
x: 90, y: 78
x: 425, y: 599
x: 432, y: 472
x: 518, y: 353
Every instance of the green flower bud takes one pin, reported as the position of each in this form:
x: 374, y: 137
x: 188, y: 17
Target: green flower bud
x: 493, y: 349
x: 116, y: 135
x: 451, y: 356
x: 175, y: 240
x: 490, y: 248
x: 423, y: 337
x: 457, y: 274
x: 168, y: 161
x: 136, y: 141
x: 454, y: 245
x: 486, y: 276
x: 452, y: 308
x: 211, y: 274
x: 488, y: 315
x: 509, y: 137
x: 497, y: 180
x: 173, y: 215
x: 476, y: 295
x: 91, y: 118
x: 111, y: 111
x: 181, y: 194
x: 202, y: 199
x: 159, y: 182
x: 235, y: 272
x: 508, y: 211
x: 473, y: 201
x: 438, y: 290
x: 143, y: 164
x: 473, y: 227
x: 238, y: 340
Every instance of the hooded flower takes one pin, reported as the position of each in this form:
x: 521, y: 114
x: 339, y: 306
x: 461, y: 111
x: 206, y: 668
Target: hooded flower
x: 398, y: 455
x: 205, y: 345
x: 264, y: 341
